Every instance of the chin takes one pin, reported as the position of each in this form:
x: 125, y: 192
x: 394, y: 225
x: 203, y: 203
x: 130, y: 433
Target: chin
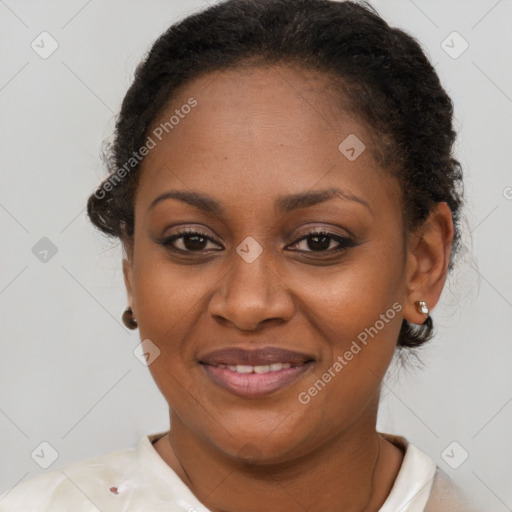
x: 262, y: 445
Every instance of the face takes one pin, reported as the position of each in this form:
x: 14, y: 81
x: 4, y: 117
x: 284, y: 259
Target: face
x: 273, y: 286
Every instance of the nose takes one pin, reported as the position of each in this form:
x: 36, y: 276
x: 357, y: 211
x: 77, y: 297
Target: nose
x: 251, y: 294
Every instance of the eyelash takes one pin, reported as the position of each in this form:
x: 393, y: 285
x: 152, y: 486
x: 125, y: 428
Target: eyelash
x: 344, y: 242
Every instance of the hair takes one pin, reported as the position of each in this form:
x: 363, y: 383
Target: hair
x: 380, y: 71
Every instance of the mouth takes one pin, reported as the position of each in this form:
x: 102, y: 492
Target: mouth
x: 255, y: 373
x: 261, y: 368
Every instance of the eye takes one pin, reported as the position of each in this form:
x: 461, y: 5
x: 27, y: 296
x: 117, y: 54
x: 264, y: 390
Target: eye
x: 190, y: 239
x: 195, y: 240
x: 321, y: 241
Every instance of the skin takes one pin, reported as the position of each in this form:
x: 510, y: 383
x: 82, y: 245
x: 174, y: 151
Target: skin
x: 256, y: 134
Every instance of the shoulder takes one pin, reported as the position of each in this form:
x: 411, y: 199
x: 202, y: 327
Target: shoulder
x: 421, y: 486
x: 84, y: 485
x: 446, y: 496
x: 135, y: 479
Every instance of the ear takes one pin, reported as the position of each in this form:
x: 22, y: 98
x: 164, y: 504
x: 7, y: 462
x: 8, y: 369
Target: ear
x: 128, y: 280
x: 428, y: 256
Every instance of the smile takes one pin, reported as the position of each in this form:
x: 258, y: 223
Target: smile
x: 254, y: 373
x: 264, y: 368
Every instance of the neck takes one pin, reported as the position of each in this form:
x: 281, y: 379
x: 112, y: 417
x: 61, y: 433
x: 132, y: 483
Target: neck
x: 353, y: 471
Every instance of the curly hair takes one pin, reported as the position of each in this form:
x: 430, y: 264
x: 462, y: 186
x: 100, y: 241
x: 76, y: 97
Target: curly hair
x: 382, y: 72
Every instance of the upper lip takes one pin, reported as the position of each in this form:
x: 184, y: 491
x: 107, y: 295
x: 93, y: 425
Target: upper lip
x: 254, y: 357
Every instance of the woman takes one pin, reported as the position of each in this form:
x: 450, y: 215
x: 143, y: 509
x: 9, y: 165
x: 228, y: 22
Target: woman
x: 283, y: 184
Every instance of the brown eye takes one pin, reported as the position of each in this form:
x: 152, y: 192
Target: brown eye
x: 191, y: 240
x: 321, y: 241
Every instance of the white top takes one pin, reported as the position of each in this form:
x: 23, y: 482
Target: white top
x: 138, y: 479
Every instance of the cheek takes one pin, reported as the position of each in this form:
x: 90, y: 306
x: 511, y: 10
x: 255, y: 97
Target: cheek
x: 356, y: 311
x: 169, y: 300
x: 166, y: 295
x: 358, y: 350
x: 359, y: 343
x: 345, y: 300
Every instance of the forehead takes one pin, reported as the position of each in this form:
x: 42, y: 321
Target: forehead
x: 254, y: 130
x: 256, y: 99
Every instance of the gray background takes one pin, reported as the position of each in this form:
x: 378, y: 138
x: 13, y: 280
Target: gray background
x: 68, y: 375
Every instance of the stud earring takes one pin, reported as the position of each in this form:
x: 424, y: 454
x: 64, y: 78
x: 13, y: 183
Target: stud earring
x: 129, y: 320
x: 422, y: 307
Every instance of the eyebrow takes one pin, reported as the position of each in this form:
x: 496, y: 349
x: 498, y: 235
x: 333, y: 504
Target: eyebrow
x: 283, y: 204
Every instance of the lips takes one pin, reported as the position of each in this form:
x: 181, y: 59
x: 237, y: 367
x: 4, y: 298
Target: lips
x: 256, y: 357
x: 254, y: 373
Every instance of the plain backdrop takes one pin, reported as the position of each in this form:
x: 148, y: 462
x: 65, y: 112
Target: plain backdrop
x: 68, y: 374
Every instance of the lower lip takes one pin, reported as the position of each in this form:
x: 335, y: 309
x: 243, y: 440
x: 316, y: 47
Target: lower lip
x: 255, y: 385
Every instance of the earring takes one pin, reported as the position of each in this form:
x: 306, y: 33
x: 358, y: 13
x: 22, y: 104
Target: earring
x: 128, y: 319
x: 422, y: 307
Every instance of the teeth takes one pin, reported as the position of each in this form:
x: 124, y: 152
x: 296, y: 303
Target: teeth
x: 262, y: 369
x: 244, y: 368
x: 265, y: 368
